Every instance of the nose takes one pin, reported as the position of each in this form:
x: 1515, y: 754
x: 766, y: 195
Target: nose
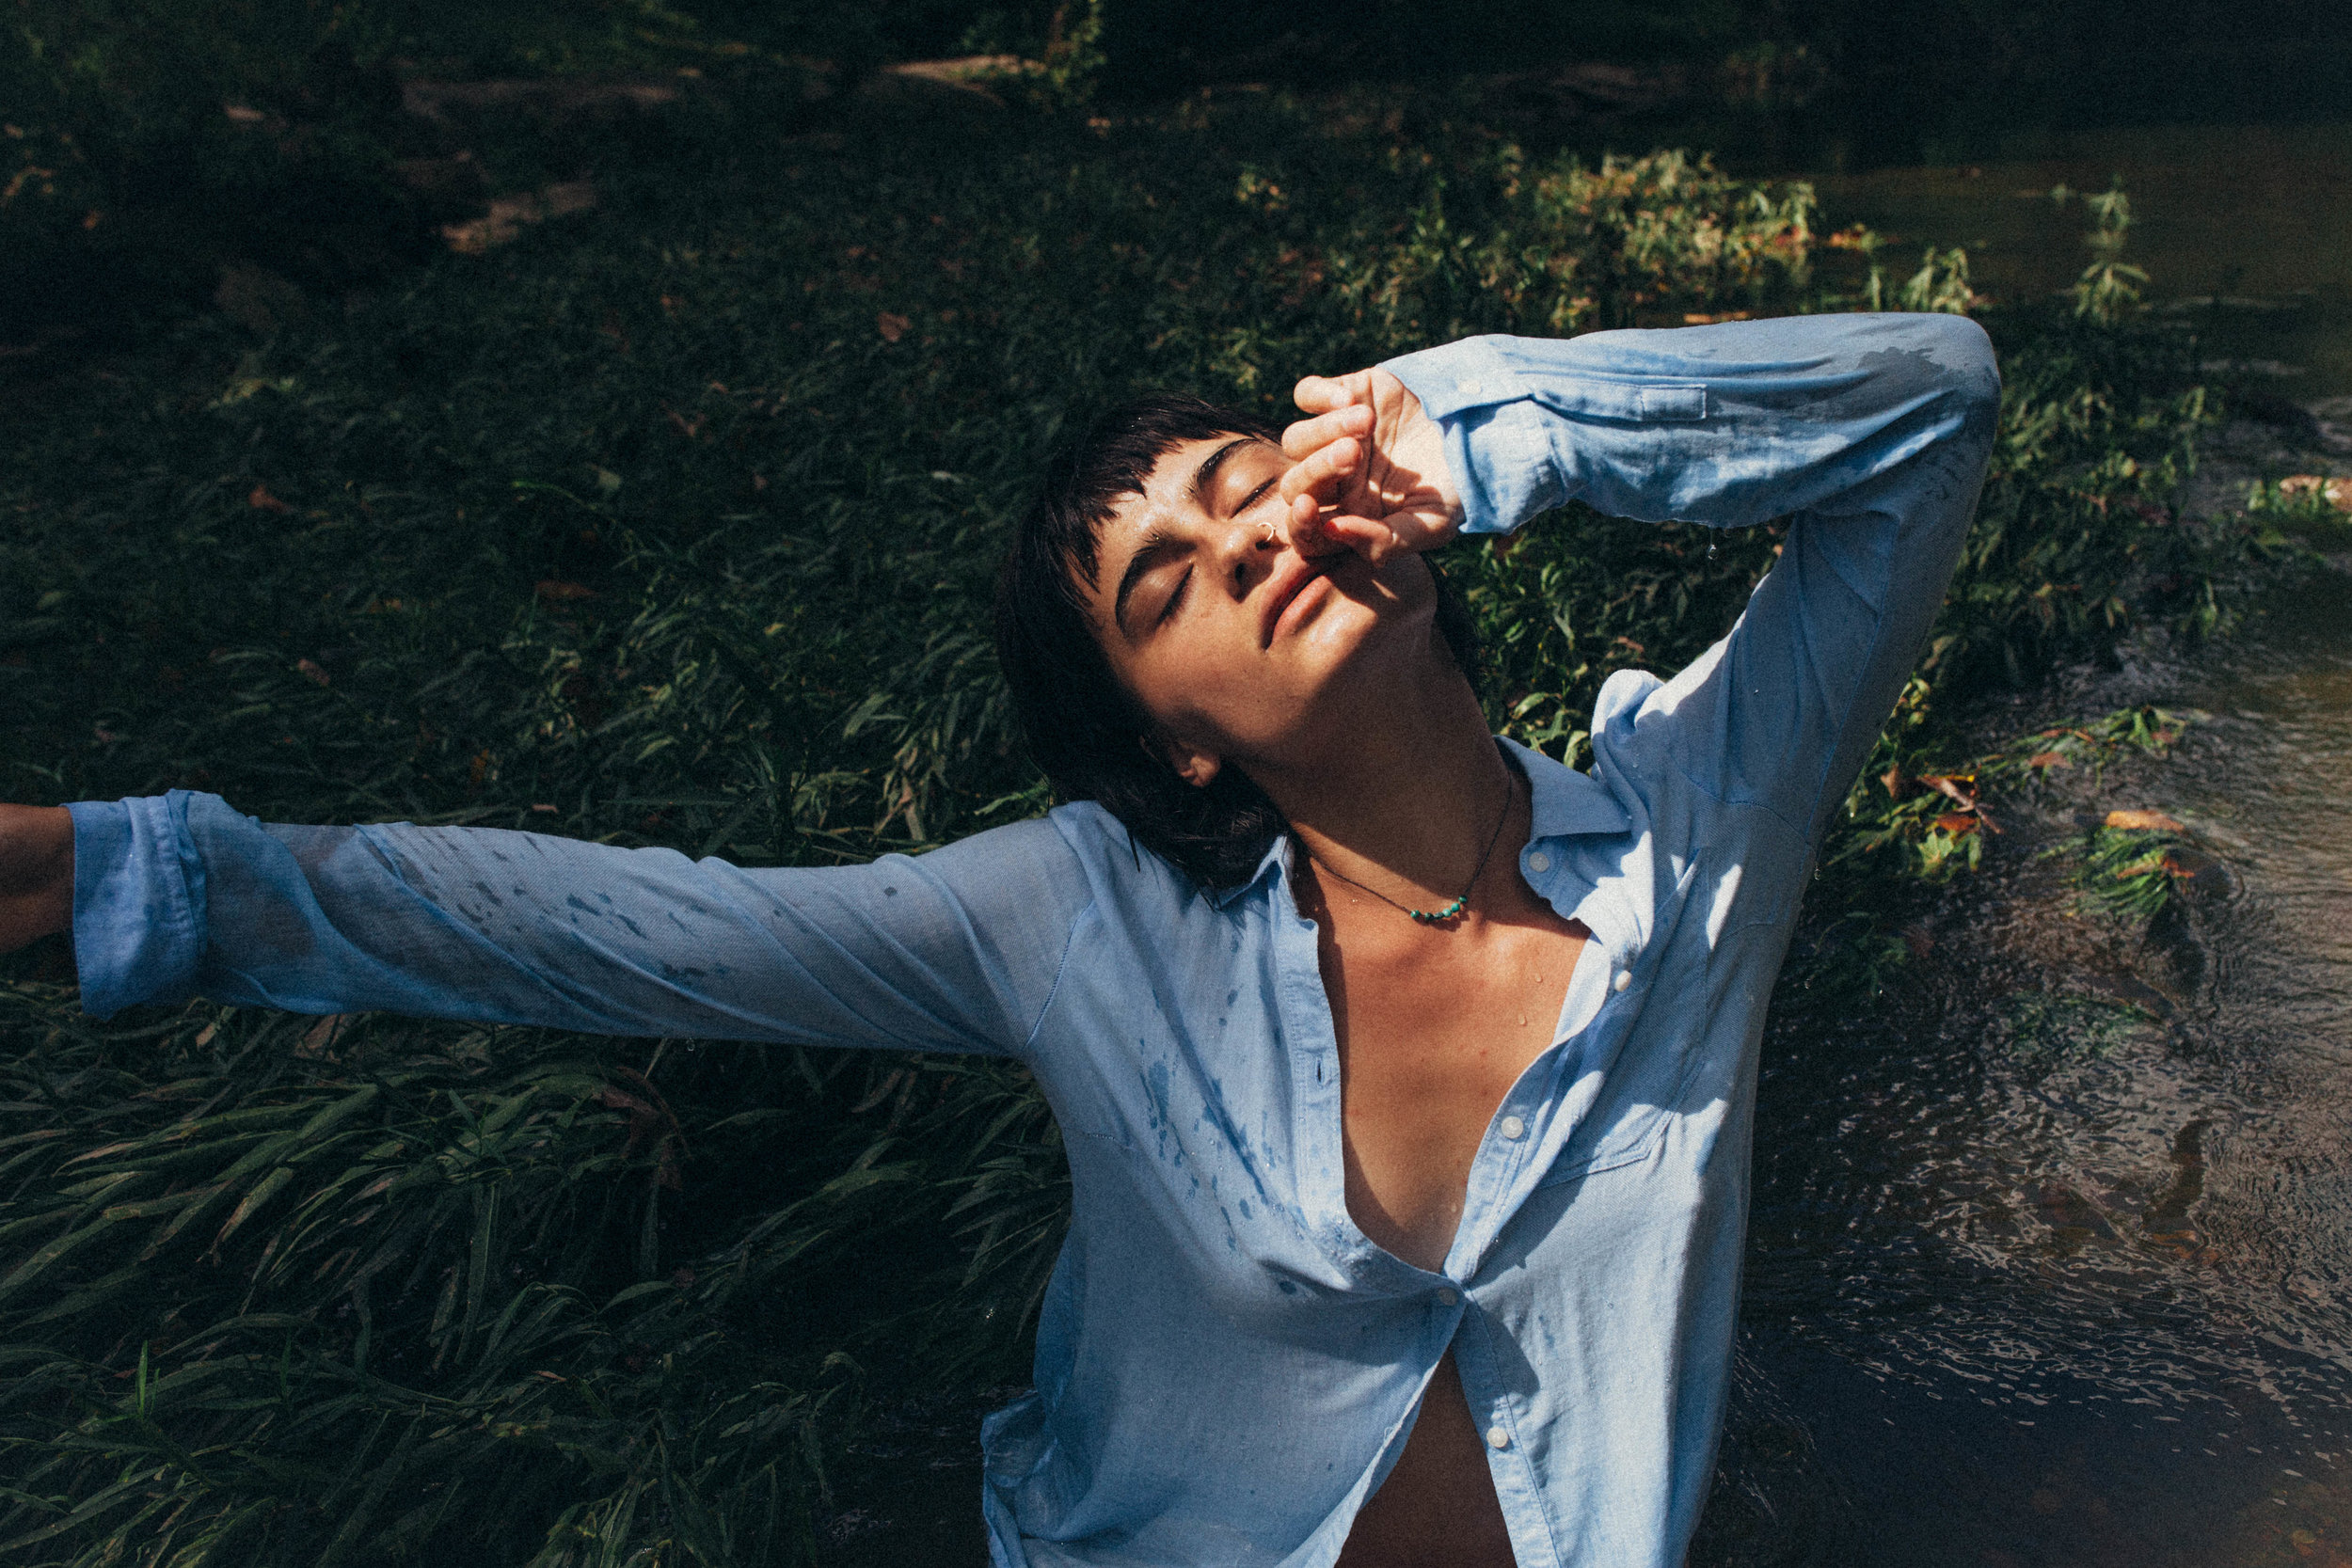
x: 1247, y: 551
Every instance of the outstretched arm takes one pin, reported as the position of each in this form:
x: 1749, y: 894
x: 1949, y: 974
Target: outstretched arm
x: 36, y: 874
x: 957, y: 950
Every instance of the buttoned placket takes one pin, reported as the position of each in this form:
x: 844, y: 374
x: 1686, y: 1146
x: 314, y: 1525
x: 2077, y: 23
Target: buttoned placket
x: 1497, y: 1184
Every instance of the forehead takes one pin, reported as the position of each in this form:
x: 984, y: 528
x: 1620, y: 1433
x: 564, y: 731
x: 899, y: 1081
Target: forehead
x: 1182, y: 480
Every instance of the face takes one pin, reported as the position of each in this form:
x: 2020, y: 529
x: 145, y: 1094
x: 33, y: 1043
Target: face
x: 1241, y: 649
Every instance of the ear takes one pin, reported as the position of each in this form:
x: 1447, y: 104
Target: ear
x: 1197, y: 768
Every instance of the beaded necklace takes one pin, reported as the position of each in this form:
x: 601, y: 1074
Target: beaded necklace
x: 1430, y: 917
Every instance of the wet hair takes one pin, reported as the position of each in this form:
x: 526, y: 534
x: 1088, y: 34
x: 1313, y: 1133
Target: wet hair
x: 1083, y: 727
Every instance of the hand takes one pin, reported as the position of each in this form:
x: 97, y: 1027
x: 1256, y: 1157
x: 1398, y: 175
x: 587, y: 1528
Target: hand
x: 36, y: 874
x: 1369, y: 470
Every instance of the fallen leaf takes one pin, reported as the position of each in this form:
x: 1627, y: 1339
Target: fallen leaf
x: 323, y: 1035
x: 1897, y: 784
x: 891, y: 326
x: 2048, y: 759
x: 556, y: 592
x: 648, y: 1121
x: 310, y: 668
x: 262, y: 501
x: 536, y: 806
x: 1961, y: 788
x: 1960, y: 824
x: 2336, y: 492
x: 2143, y: 822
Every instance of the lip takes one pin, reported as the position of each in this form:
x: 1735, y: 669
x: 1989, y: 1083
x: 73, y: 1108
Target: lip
x: 1284, y: 588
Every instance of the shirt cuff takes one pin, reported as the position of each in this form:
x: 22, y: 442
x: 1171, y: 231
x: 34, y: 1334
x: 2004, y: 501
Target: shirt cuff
x: 1470, y: 374
x: 138, y: 902
x: 1497, y: 446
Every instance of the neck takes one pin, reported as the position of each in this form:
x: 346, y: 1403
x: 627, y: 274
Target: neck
x: 1405, y: 801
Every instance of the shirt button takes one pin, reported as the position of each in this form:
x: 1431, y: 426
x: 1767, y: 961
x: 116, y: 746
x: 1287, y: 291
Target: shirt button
x: 1448, y: 1296
x: 1514, y: 1128
x: 1498, y: 1439
x: 1625, y: 978
x: 1539, y: 861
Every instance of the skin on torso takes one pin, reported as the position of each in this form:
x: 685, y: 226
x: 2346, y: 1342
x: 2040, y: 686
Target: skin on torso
x: 1435, y: 1024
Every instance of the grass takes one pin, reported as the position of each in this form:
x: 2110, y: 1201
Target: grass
x: 674, y: 524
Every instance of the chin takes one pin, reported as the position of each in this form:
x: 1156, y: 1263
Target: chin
x: 1370, y: 644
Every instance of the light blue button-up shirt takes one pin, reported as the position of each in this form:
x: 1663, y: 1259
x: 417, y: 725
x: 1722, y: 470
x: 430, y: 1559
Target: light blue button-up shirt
x: 1226, y: 1367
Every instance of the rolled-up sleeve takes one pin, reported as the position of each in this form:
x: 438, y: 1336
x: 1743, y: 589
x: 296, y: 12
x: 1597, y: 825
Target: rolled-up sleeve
x: 957, y: 950
x: 1868, y: 434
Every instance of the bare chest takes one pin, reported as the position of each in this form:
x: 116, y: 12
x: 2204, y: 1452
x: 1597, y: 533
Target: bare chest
x: 1433, y: 1028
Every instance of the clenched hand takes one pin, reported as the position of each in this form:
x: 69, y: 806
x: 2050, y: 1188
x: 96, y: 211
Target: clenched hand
x: 1369, y: 469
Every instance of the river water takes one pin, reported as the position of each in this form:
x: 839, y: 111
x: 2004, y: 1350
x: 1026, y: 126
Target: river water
x: 2246, y: 233
x: 2052, y: 1253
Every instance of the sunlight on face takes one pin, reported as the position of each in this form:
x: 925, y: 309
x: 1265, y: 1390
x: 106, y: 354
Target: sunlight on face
x: 1235, y: 643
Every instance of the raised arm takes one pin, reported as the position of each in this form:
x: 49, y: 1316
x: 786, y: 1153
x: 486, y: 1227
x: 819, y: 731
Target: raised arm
x: 179, y: 895
x: 1868, y: 434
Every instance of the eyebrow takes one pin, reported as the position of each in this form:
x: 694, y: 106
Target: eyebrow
x: 1203, y: 476
x: 1157, y: 543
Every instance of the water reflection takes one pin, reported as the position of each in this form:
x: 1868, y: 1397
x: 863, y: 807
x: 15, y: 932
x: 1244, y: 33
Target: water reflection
x: 2050, y: 1256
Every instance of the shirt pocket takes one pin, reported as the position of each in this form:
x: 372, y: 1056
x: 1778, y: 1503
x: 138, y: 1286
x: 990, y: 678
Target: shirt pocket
x: 1648, y: 1056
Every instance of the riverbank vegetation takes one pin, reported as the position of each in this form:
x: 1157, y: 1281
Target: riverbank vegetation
x: 674, y: 523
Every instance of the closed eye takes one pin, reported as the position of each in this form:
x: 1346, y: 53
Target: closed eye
x: 1175, y: 599
x: 1251, y: 499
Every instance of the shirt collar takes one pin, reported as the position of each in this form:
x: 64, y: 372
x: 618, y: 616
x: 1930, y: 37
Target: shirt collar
x: 1276, y: 857
x: 1561, y: 802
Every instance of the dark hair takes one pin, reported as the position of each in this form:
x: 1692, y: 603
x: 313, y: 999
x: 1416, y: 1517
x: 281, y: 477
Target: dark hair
x: 1082, y: 725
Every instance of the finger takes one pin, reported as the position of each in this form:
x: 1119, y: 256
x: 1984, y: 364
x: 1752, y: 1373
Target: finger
x: 1304, y: 528
x: 1320, y: 394
x: 1422, y: 529
x: 1307, y: 435
x: 1319, y: 470
x: 1370, y: 537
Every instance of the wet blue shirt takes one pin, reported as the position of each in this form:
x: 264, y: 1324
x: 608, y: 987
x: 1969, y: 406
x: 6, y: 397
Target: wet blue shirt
x: 1226, y: 1367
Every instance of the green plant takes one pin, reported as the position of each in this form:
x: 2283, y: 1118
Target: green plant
x: 1940, y: 284
x: 2109, y: 288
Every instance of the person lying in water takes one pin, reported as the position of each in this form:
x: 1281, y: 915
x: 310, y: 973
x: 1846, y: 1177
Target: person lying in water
x: 1407, y: 1075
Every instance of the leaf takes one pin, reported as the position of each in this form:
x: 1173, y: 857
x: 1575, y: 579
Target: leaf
x: 2144, y: 822
x: 553, y: 592
x: 321, y: 1037
x: 1961, y: 788
x: 2048, y: 759
x: 1960, y: 824
x: 891, y: 326
x: 262, y: 501
x: 263, y: 1189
